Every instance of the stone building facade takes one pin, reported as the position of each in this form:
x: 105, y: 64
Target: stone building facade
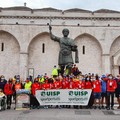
x: 26, y: 48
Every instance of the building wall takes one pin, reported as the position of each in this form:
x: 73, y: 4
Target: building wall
x: 27, y: 44
x: 90, y: 54
x: 9, y: 55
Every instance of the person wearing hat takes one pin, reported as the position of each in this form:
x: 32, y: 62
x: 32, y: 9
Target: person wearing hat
x: 8, y: 90
x: 41, y: 79
x: 104, y: 91
x: 54, y: 72
x: 28, y: 84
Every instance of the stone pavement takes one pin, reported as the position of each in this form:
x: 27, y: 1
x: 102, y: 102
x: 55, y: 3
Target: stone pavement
x: 60, y: 114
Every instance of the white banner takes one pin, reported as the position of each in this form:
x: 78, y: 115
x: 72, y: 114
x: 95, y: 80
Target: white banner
x: 63, y: 96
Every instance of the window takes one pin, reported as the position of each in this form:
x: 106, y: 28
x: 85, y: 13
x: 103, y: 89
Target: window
x: 2, y: 47
x: 43, y: 48
x: 83, y: 49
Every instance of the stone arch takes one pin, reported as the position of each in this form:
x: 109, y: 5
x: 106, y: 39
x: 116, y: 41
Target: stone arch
x: 115, y: 56
x: 118, y: 61
x: 91, y: 60
x: 115, y: 46
x: 9, y: 56
x: 42, y: 62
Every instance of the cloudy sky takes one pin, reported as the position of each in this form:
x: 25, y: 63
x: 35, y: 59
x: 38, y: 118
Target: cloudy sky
x: 65, y: 4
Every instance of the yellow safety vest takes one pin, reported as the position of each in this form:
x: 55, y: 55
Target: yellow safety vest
x: 55, y: 72
x: 28, y: 85
x: 42, y: 80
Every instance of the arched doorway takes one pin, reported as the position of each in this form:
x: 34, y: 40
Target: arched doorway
x: 9, y: 55
x: 115, y: 56
x: 89, y: 54
x: 118, y: 63
x: 43, y: 54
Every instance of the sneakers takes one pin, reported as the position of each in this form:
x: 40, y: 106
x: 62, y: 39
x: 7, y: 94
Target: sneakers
x: 38, y: 107
x: 112, y: 108
x: 46, y: 107
x: 8, y: 107
x: 108, y: 108
x: 103, y: 107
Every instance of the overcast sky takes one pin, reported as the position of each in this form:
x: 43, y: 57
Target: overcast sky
x: 65, y: 4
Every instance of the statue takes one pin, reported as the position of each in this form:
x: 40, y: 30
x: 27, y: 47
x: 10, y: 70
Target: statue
x: 67, y: 45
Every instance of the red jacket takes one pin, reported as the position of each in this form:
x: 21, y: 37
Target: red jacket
x: 96, y: 86
x: 8, y: 89
x: 65, y: 84
x: 111, y: 85
x: 72, y: 85
x: 87, y: 85
x: 78, y: 84
x: 45, y: 86
x: 57, y: 85
x: 35, y: 86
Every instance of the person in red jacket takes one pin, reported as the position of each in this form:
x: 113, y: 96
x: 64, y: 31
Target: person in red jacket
x: 71, y: 83
x: 35, y: 86
x: 46, y: 85
x: 78, y: 83
x: 8, y: 90
x: 97, y: 91
x: 88, y: 85
x: 57, y: 84
x: 51, y: 85
x: 111, y: 86
x: 65, y: 83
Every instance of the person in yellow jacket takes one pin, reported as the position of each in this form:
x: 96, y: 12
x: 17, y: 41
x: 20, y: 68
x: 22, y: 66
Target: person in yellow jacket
x: 28, y: 84
x: 41, y: 79
x: 54, y: 72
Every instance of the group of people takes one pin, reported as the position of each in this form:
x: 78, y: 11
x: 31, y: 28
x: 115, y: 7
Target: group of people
x: 104, y: 87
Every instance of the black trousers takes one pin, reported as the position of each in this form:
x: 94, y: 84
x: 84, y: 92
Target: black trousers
x: 34, y: 101
x: 9, y: 100
x: 110, y: 99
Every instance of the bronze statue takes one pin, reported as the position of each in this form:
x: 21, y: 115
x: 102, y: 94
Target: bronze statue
x: 67, y: 45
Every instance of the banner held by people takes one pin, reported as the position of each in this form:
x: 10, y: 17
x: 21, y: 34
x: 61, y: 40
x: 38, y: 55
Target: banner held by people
x: 63, y: 97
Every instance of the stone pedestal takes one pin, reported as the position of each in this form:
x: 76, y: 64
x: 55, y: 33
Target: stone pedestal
x: 23, y: 65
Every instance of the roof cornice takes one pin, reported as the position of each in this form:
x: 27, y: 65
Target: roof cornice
x: 57, y: 17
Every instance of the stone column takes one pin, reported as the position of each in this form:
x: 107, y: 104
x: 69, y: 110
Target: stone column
x: 116, y: 70
x: 106, y: 64
x: 23, y: 65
